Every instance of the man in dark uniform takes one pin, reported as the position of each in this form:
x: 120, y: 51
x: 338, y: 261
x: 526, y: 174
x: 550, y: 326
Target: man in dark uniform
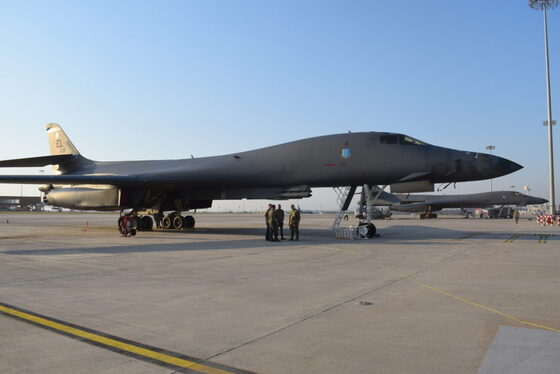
x: 271, y: 216
x: 158, y: 217
x: 268, y: 228
x: 280, y: 221
x: 293, y: 221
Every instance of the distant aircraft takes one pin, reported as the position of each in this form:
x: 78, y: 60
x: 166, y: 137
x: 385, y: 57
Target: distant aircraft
x: 283, y: 171
x: 434, y: 203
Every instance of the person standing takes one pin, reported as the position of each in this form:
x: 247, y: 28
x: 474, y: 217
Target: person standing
x: 516, y: 216
x: 293, y: 221
x: 273, y: 223
x: 158, y: 217
x: 268, y: 229
x: 280, y: 221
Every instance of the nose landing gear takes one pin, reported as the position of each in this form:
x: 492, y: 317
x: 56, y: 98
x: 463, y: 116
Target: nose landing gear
x: 365, y: 229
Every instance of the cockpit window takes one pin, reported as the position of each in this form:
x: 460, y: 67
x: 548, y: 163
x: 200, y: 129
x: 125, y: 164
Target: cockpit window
x: 399, y: 139
x: 407, y: 140
x: 517, y: 194
x: 482, y: 156
x: 388, y: 139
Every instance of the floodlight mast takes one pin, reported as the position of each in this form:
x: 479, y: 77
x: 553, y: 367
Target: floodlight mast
x: 491, y: 148
x: 544, y: 5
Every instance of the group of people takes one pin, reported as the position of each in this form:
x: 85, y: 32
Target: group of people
x: 274, y: 218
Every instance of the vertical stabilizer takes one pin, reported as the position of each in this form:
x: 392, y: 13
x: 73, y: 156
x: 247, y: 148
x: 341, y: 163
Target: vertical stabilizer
x: 60, y: 145
x: 59, y: 142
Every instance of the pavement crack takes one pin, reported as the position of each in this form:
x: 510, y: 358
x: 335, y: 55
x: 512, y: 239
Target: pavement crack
x: 347, y: 301
x: 316, y: 314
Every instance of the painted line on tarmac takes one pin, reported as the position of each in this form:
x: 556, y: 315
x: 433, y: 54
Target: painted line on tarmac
x: 442, y: 292
x: 513, y: 237
x: 124, y: 346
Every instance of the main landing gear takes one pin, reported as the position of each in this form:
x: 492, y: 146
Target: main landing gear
x: 173, y: 221
x: 177, y: 222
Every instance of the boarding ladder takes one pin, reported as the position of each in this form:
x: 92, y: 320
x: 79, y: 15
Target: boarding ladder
x: 344, y: 198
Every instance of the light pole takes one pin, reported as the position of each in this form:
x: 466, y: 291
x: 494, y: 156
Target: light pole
x: 544, y: 5
x: 490, y: 148
x: 41, y: 172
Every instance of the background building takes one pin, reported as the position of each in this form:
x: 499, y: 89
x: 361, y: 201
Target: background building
x: 29, y: 203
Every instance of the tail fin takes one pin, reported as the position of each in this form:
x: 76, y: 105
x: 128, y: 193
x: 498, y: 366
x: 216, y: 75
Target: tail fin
x: 64, y: 157
x: 62, y: 146
x: 59, y: 142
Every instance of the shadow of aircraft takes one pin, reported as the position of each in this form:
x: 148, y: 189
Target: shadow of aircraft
x: 403, y: 235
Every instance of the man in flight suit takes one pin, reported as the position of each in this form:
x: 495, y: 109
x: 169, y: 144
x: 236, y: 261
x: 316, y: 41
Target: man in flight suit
x: 293, y: 221
x: 280, y: 220
x: 271, y: 219
x: 268, y: 228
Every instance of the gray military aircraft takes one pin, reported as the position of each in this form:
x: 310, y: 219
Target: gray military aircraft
x: 283, y: 171
x: 434, y: 203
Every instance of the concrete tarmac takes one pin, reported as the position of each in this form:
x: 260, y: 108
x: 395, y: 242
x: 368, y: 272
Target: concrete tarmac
x: 428, y: 296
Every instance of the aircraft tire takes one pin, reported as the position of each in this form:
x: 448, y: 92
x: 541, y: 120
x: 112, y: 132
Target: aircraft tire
x: 167, y: 222
x: 147, y: 223
x: 189, y: 222
x: 371, y: 230
x: 366, y: 230
x: 178, y: 223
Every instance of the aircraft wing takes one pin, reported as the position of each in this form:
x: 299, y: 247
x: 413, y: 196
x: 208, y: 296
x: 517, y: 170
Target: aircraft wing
x: 385, y: 198
x: 115, y: 180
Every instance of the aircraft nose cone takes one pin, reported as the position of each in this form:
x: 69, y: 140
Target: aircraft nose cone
x: 513, y: 166
x: 504, y: 166
x: 538, y: 200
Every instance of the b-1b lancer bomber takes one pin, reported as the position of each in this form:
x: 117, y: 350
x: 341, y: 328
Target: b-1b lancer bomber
x: 426, y: 204
x: 285, y: 171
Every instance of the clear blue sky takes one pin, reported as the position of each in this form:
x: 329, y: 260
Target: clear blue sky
x: 167, y: 79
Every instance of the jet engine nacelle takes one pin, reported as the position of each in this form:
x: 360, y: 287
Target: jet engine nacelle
x: 45, y: 188
x: 84, y: 198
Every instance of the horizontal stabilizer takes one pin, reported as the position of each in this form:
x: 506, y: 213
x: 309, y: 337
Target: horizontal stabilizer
x: 115, y: 180
x: 36, y: 161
